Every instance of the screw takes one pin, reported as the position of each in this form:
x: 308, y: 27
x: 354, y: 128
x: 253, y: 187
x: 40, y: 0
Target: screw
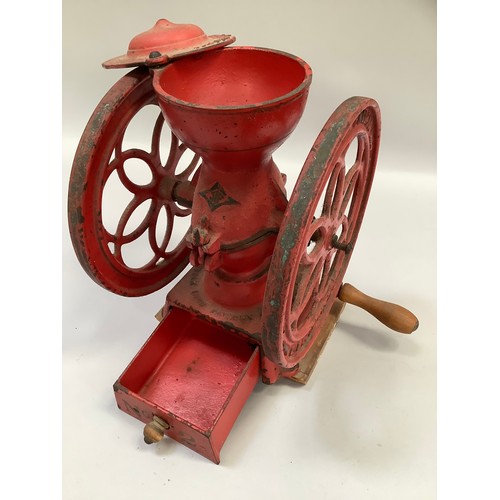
x: 154, y: 55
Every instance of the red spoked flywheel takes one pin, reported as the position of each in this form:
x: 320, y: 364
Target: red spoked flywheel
x: 319, y: 231
x: 101, y: 158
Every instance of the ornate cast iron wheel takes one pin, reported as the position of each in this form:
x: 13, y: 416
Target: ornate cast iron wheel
x: 319, y: 231
x: 101, y: 155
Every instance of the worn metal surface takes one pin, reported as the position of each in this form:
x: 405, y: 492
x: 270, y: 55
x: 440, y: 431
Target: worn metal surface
x: 194, y: 378
x: 234, y: 107
x: 189, y: 295
x: 100, y: 155
x: 261, y: 299
x: 166, y: 41
x: 322, y: 220
x: 307, y: 364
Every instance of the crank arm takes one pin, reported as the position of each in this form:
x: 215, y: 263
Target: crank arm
x: 395, y: 317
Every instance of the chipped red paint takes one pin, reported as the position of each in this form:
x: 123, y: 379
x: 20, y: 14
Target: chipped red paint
x: 252, y: 102
x: 307, y: 269
x: 266, y: 271
x: 100, y: 153
x: 166, y: 41
x: 194, y: 376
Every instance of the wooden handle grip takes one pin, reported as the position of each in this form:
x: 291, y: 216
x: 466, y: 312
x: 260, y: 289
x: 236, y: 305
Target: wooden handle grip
x: 154, y: 431
x: 395, y: 317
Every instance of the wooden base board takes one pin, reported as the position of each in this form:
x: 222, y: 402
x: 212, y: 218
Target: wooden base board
x: 308, y: 363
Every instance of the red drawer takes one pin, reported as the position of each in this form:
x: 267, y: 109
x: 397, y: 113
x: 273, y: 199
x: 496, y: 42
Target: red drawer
x: 193, y: 375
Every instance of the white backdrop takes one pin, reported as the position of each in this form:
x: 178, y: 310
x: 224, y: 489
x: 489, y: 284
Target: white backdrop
x: 364, y: 426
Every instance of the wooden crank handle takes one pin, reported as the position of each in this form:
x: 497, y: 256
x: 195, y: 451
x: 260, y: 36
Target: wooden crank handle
x: 395, y: 317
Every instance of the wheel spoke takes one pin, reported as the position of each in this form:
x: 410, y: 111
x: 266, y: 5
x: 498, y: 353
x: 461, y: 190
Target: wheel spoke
x: 111, y: 166
x: 339, y: 190
x: 170, y: 227
x: 184, y: 175
x: 173, y: 155
x: 119, y: 143
x: 334, y: 184
x: 345, y: 224
x: 159, y: 250
x: 307, y: 286
x: 129, y: 210
x: 300, y: 291
x: 178, y: 211
x: 152, y: 232
x: 362, y: 147
x: 156, y: 139
x: 325, y: 276
x: 350, y: 182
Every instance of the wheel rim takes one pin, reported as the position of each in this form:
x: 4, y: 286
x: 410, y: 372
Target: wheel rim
x: 319, y: 231
x: 102, y: 155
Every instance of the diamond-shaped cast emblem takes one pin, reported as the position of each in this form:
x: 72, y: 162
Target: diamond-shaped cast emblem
x: 216, y: 197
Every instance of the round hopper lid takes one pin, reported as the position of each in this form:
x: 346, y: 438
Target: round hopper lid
x: 166, y: 41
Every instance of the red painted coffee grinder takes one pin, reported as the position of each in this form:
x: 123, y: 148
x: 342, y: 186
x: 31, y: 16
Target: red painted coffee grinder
x: 265, y: 289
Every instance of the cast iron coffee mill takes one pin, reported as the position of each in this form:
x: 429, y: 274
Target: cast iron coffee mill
x: 265, y: 285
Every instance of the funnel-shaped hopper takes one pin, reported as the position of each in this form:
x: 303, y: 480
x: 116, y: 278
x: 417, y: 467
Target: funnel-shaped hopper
x: 234, y: 99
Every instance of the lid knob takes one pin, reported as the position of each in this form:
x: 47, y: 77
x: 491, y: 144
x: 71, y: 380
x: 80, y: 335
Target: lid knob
x: 163, y: 35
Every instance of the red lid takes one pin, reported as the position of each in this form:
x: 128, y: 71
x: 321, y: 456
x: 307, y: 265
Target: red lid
x: 165, y: 41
